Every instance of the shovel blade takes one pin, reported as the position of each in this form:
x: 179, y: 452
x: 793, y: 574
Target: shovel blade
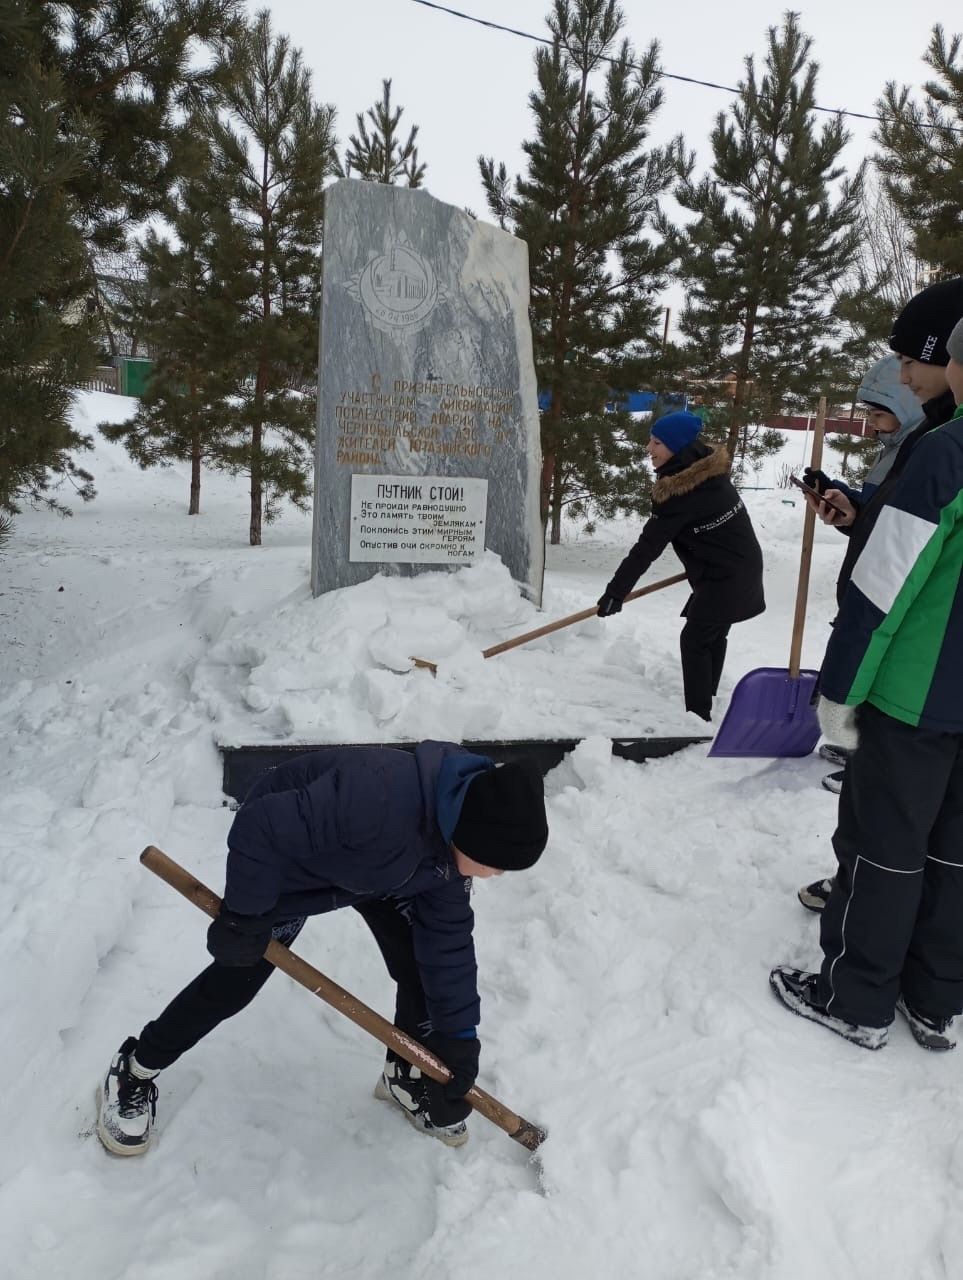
x: 770, y: 716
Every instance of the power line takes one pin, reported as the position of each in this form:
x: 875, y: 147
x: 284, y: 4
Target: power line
x: 668, y: 75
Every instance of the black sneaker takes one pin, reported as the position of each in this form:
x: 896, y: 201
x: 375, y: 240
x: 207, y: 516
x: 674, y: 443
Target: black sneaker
x: 126, y: 1106
x: 834, y: 782
x: 815, y: 896
x: 834, y: 754
x: 931, y: 1033
x: 797, y: 990
x: 404, y: 1085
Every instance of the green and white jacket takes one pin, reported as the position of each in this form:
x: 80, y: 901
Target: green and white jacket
x: 898, y: 638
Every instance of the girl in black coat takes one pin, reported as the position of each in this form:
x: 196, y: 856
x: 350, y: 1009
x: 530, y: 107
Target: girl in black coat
x: 696, y: 508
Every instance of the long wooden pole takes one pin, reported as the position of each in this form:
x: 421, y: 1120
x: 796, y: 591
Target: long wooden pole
x: 805, y: 559
x: 523, y: 1131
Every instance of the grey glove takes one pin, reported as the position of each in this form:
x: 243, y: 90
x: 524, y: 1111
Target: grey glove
x: 838, y: 723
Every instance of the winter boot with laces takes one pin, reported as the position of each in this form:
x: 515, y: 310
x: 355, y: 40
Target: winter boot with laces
x: 127, y: 1104
x: 930, y: 1032
x: 798, y: 992
x: 404, y: 1085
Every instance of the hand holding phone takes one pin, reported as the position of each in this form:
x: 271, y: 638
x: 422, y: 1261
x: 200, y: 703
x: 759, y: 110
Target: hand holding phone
x: 814, y: 493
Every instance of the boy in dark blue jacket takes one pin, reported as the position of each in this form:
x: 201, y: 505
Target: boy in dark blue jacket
x: 398, y: 836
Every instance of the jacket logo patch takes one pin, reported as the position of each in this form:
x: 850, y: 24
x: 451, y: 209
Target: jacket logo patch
x: 723, y: 519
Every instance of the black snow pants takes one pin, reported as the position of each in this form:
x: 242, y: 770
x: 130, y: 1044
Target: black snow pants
x: 703, y: 647
x: 220, y: 991
x: 894, y: 920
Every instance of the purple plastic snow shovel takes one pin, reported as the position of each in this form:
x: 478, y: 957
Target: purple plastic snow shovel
x: 771, y: 713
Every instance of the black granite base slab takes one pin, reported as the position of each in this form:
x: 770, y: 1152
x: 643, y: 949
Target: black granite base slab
x: 244, y: 765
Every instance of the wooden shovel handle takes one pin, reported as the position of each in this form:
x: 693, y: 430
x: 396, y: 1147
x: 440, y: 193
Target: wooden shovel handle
x: 577, y: 617
x: 559, y: 623
x: 523, y: 1131
x: 805, y: 559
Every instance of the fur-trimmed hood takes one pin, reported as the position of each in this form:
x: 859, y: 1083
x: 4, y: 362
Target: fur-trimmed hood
x: 715, y: 463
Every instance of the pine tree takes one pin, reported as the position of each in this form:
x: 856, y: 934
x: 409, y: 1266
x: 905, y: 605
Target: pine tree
x: 585, y: 206
x: 274, y: 147
x: 133, y: 66
x: 922, y: 156
x: 381, y: 156
x: 769, y: 243
x: 45, y: 330
x: 193, y: 295
x: 88, y: 93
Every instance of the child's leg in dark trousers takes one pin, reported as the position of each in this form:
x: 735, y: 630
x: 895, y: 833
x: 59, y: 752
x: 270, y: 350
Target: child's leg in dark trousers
x: 703, y: 649
x: 892, y: 920
x: 719, y: 647
x: 386, y: 919
x: 219, y: 992
x: 932, y: 979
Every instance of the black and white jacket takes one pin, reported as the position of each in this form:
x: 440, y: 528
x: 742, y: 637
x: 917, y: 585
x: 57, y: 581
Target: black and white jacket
x: 697, y: 510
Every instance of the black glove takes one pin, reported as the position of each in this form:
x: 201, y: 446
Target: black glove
x: 609, y: 605
x: 461, y: 1059
x: 818, y: 480
x: 238, y: 941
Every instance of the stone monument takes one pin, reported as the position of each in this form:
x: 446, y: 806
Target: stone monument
x: 428, y: 435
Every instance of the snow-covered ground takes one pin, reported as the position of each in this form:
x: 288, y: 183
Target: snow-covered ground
x: 696, y: 1128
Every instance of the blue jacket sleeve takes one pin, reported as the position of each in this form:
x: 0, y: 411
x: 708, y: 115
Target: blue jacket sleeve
x: 855, y: 496
x: 441, y: 930
x: 261, y: 830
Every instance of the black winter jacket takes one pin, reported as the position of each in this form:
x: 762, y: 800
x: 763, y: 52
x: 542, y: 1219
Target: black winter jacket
x: 339, y: 826
x: 696, y: 508
x: 937, y: 411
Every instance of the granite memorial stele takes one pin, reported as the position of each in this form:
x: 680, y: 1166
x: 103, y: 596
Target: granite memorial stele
x: 428, y: 436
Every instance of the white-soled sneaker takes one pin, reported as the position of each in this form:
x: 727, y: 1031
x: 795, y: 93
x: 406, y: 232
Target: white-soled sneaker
x: 815, y: 896
x: 404, y: 1085
x: 938, y: 1034
x: 835, y: 755
x: 797, y: 990
x: 127, y: 1104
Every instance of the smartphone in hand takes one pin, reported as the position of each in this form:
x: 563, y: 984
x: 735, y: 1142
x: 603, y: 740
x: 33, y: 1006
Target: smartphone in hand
x: 814, y: 493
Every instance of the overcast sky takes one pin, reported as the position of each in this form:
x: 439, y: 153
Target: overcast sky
x: 467, y: 86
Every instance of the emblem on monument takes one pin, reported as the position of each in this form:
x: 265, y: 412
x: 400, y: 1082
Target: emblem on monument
x: 397, y: 288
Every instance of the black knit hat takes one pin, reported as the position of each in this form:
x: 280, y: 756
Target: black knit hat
x: 502, y: 823
x: 923, y: 326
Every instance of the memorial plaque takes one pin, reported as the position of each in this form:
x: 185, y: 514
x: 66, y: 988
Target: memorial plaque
x: 432, y: 520
x: 426, y: 386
